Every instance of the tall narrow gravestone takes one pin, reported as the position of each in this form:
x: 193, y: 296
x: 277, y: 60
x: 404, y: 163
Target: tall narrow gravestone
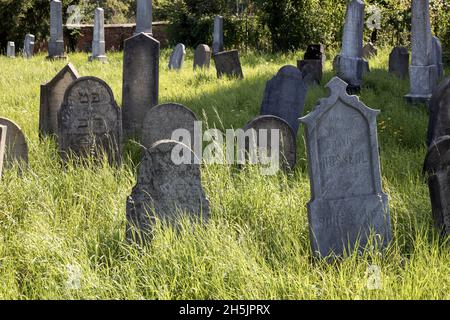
x: 11, y: 50
x: 228, y: 64
x: 285, y: 96
x: 161, y: 121
x: 218, y: 35
x: 165, y: 191
x: 90, y: 122
x: 28, y: 46
x: 437, y: 166
x: 423, y: 73
x: 348, y: 205
x: 399, y: 62
x: 52, y: 94
x: 56, y: 43
x: 351, y: 66
x: 437, y: 56
x: 202, y: 57
x: 16, y: 152
x: 140, y: 81
x: 177, y: 57
x: 439, y: 123
x: 98, y: 42
x: 144, y: 17
x: 3, y: 131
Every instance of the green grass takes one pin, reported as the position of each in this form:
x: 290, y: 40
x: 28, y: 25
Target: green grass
x: 256, y: 245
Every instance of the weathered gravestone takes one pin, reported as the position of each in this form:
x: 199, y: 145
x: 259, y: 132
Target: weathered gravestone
x: 348, y: 205
x: 98, y: 42
x: 177, y: 57
x: 144, y: 17
x: 263, y: 137
x: 439, y: 123
x: 11, y: 50
x: 350, y: 65
x: 285, y: 95
x: 140, y: 81
x: 399, y: 62
x: 369, y: 51
x: 228, y: 64
x: 437, y: 166
x: 16, y: 151
x: 423, y: 73
x: 52, y: 95
x: 312, y: 71
x: 3, y: 131
x: 437, y: 56
x: 161, y: 121
x: 28, y: 46
x: 90, y: 122
x: 315, y: 52
x: 56, y: 43
x: 202, y: 57
x: 165, y: 191
x: 218, y: 35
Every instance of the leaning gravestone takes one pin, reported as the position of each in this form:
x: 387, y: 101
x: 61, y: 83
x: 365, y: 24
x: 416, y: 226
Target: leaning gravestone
x: 228, y: 64
x: 90, y: 122
x: 16, y: 151
x: 315, y: 52
x: 437, y: 166
x: 28, y: 46
x: 284, y: 96
x: 348, y: 205
x: 218, y: 45
x: 369, y: 51
x: 287, y: 139
x: 202, y: 57
x: 161, y: 121
x: 439, y: 123
x: 177, y: 57
x: 312, y: 71
x: 11, y: 50
x: 3, y: 131
x: 437, y: 56
x: 399, y: 62
x: 164, y: 191
x: 52, y: 94
x: 56, y: 43
x: 140, y: 81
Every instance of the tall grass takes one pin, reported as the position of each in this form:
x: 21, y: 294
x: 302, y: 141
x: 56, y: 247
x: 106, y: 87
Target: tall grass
x: 62, y: 229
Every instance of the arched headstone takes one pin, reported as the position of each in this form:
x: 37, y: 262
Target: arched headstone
x: 399, y: 62
x: 202, y: 57
x: 16, y: 151
x: 177, y: 57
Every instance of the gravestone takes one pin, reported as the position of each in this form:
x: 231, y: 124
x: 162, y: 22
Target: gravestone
x: 3, y: 132
x: 161, y: 121
x: 347, y: 203
x: 98, y: 42
x: 144, y: 17
x: 350, y: 64
x: 437, y: 57
x: 437, y: 166
x: 228, y: 64
x: 28, y: 46
x: 284, y: 96
x: 11, y: 50
x: 202, y: 57
x: 177, y: 57
x: 16, y: 151
x: 56, y: 43
x: 312, y: 71
x: 52, y: 95
x: 369, y: 51
x: 287, y: 139
x: 218, y: 45
x: 423, y: 74
x: 399, y: 62
x: 90, y: 122
x: 439, y: 123
x: 164, y: 191
x: 140, y: 81
x: 315, y: 52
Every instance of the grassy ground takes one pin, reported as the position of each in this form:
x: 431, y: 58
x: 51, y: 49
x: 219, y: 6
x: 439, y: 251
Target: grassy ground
x: 62, y: 231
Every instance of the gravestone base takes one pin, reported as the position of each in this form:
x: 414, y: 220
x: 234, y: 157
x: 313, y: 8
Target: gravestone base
x: 351, y: 70
x: 418, y: 99
x: 423, y: 83
x: 98, y: 58
x: 56, y: 51
x: 353, y: 221
x: 57, y: 57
